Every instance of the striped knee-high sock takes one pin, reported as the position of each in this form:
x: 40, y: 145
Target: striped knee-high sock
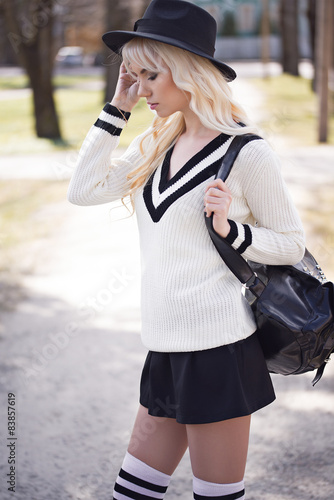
x: 203, y: 490
x: 139, y: 481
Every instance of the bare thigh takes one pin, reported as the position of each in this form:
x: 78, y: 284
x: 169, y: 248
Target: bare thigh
x: 218, y: 451
x: 158, y: 442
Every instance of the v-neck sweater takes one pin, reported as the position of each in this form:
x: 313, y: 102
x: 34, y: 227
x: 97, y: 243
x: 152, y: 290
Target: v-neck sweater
x: 190, y: 300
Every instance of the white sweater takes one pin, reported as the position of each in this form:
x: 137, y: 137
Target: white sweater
x: 190, y: 299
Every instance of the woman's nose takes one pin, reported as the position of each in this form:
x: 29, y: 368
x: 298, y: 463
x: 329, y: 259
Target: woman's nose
x: 143, y: 90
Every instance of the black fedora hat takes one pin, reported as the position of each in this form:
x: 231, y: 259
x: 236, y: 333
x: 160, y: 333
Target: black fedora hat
x: 178, y: 23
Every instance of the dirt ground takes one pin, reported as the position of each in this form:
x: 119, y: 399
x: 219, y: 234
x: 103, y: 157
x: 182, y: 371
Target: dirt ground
x: 71, y: 358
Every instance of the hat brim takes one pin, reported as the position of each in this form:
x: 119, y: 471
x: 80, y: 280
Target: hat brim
x: 115, y: 40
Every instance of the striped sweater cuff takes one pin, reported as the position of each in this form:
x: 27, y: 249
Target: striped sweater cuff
x: 240, y: 236
x: 112, y: 120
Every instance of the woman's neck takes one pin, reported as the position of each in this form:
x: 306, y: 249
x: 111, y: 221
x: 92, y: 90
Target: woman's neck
x: 194, y: 128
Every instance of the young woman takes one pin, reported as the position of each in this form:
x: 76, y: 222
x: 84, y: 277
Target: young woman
x: 205, y: 373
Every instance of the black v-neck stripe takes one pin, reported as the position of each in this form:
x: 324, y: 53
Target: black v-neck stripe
x: 165, y: 170
x: 157, y: 212
x: 191, y: 163
x: 210, y: 170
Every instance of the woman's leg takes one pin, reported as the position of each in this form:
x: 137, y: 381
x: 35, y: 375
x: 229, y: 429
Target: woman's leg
x: 156, y: 447
x: 218, y: 454
x: 159, y: 442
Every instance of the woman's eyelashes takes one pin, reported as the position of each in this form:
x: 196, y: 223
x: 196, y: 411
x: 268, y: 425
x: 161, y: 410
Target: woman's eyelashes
x: 153, y: 77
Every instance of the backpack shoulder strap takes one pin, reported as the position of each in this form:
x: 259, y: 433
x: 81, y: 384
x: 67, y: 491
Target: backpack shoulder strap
x: 238, y: 142
x: 234, y: 261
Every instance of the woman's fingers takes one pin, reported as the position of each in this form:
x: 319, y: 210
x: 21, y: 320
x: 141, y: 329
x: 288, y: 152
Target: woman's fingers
x: 217, y: 201
x: 219, y: 185
x: 217, y: 198
x: 125, y: 96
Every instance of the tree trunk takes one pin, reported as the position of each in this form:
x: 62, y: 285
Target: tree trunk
x: 118, y: 17
x: 311, y: 14
x: 265, y: 37
x: 289, y: 34
x: 324, y: 45
x: 29, y: 27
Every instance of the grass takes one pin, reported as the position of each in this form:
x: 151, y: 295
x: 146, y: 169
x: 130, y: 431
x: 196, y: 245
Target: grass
x: 22, y: 81
x: 14, y: 82
x: 291, y: 109
x: 77, y: 108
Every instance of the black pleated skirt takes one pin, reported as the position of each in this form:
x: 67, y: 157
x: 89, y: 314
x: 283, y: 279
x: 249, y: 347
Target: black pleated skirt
x: 207, y: 386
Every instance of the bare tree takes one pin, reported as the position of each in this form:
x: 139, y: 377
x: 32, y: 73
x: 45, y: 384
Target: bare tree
x: 29, y: 29
x: 289, y: 34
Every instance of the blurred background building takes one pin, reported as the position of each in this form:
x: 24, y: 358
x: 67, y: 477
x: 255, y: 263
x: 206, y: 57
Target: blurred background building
x: 81, y: 23
x: 240, y: 27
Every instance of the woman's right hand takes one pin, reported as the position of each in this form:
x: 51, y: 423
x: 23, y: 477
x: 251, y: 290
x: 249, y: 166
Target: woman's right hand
x: 126, y: 96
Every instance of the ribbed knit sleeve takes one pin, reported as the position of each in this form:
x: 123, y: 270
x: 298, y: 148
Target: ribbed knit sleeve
x: 274, y: 233
x: 97, y: 177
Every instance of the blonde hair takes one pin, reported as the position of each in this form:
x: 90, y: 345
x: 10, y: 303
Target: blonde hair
x: 210, y: 98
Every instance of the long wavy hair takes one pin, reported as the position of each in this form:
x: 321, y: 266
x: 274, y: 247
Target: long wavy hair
x: 210, y: 98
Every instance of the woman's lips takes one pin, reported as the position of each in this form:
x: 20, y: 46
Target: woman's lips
x: 152, y: 105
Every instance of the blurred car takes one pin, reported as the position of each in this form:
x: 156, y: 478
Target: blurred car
x: 70, y: 56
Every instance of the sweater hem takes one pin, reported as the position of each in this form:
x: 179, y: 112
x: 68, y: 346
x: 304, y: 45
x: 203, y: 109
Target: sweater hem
x: 192, y: 348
